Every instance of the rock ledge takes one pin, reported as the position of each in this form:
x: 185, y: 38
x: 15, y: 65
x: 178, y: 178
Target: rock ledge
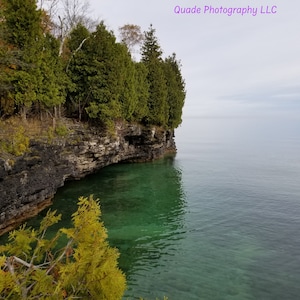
x: 28, y: 183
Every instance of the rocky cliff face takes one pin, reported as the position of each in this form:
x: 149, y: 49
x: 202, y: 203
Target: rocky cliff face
x: 28, y: 183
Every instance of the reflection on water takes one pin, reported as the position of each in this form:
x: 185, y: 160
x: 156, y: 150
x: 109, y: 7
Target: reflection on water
x: 142, y: 208
x: 220, y: 221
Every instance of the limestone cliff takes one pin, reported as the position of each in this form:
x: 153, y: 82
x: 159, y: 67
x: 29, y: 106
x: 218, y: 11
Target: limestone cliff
x: 28, y: 183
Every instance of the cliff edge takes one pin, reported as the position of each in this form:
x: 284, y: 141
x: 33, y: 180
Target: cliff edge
x: 29, y: 182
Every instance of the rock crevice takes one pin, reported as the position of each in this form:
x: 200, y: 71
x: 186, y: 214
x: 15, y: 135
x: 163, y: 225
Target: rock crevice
x: 28, y: 183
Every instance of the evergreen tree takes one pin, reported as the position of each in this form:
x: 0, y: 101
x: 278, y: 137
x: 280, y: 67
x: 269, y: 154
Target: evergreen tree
x: 106, y: 83
x: 22, y: 23
x: 79, y: 93
x: 6, y: 68
x: 39, y: 83
x: 176, y: 90
x: 102, y: 74
x: 53, y: 87
x: 101, y: 78
x: 105, y: 79
x: 142, y: 91
x: 36, y: 77
x: 151, y: 49
x: 128, y: 94
x: 21, y: 30
x: 157, y: 103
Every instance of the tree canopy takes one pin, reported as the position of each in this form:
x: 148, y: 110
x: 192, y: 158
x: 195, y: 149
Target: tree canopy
x: 87, y: 74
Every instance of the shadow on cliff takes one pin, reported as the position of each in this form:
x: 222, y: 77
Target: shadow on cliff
x: 143, y: 208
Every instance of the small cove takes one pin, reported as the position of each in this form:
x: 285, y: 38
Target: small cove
x: 220, y: 220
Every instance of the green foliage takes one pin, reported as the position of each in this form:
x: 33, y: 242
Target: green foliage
x: 61, y: 130
x: 22, y: 23
x: 128, y: 96
x: 50, y: 134
x: 151, y: 49
x: 17, y: 144
x: 78, y: 92
x: 95, y: 79
x: 51, y: 79
x: 40, y: 80
x: 157, y: 102
x: 77, y: 36
x: 176, y: 90
x: 97, y: 72
x: 93, y: 70
x: 106, y: 84
x: 6, y: 58
x: 20, y: 33
x: 142, y: 92
x: 33, y: 68
x: 85, y: 268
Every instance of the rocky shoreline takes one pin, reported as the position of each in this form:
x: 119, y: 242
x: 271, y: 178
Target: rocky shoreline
x: 28, y: 183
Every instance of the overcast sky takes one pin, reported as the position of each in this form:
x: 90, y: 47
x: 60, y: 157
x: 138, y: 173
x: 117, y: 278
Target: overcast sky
x: 233, y: 65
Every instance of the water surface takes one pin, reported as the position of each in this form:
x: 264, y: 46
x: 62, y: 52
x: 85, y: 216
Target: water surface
x: 221, y: 220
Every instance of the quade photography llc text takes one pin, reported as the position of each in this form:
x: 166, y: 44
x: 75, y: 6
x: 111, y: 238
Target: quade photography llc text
x: 226, y: 10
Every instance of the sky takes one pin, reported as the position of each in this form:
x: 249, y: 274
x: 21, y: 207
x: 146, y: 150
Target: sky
x: 232, y: 65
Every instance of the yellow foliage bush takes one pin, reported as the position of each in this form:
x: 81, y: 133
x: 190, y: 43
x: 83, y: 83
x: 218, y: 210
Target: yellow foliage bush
x: 85, y: 268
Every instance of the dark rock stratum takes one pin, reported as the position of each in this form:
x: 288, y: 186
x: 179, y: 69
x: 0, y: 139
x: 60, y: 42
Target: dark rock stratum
x: 28, y: 183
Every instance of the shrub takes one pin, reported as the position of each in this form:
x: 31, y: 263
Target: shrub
x: 61, y: 130
x: 86, y: 267
x: 17, y: 144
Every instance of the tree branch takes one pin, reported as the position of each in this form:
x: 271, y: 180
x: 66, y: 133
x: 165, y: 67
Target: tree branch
x: 61, y: 256
x: 73, y: 54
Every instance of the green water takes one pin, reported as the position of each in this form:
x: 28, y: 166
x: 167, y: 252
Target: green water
x: 150, y: 195
x: 219, y: 221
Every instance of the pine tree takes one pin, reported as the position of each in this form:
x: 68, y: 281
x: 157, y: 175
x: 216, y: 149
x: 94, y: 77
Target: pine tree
x: 142, y: 91
x: 7, y: 65
x: 35, y: 76
x: 77, y: 61
x: 22, y: 23
x: 128, y: 94
x: 151, y: 49
x: 157, y: 103
x: 21, y: 30
x: 176, y: 90
x: 51, y: 76
x: 106, y: 82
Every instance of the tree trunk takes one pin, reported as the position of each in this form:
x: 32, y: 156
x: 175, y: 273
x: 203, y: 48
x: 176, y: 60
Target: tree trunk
x: 24, y: 113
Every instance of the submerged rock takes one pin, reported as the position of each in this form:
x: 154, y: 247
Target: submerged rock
x: 28, y: 183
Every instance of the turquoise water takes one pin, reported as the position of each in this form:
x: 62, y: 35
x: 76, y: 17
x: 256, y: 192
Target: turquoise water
x: 220, y: 220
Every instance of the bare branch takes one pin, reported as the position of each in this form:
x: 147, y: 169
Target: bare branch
x: 24, y: 263
x: 65, y: 15
x: 74, y: 52
x: 67, y: 248
x: 131, y: 36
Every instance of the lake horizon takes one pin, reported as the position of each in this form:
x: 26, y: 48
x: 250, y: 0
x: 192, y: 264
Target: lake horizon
x: 219, y: 220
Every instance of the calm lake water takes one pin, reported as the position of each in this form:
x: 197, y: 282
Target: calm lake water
x: 220, y: 220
